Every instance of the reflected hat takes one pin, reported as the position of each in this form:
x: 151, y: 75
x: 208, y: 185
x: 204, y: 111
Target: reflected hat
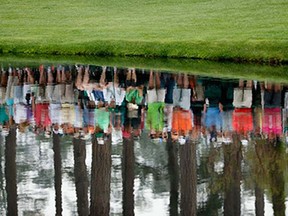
x: 244, y: 142
x: 91, y: 129
x: 181, y: 140
x: 59, y: 131
x: 99, y: 134
x: 86, y: 136
x: 213, y: 136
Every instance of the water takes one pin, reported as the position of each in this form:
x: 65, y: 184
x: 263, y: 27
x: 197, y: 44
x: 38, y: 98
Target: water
x: 65, y: 153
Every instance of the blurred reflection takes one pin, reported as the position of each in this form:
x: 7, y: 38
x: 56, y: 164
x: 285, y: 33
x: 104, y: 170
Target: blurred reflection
x: 81, y: 178
x: 83, y: 100
x: 232, y: 176
x: 213, y: 108
x: 10, y: 171
x: 173, y: 170
x: 268, y: 174
x: 259, y: 201
x: 188, y: 178
x: 58, y: 173
x: 210, y: 178
x: 3, y: 201
x: 100, y: 176
x: 128, y: 161
x: 155, y: 103
x: 277, y: 184
x: 217, y: 125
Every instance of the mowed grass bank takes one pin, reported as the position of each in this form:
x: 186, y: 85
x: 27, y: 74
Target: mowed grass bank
x: 238, y: 30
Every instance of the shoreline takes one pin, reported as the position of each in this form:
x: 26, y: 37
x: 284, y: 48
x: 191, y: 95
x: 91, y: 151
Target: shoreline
x: 263, y: 54
x: 197, y: 67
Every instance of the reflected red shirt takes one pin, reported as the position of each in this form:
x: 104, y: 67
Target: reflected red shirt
x: 242, y: 120
x: 41, y: 115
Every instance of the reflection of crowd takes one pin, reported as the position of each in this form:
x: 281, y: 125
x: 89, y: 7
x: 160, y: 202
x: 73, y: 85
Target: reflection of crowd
x: 83, y: 100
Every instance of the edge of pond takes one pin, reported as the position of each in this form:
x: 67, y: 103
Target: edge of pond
x: 268, y: 52
x: 191, y: 66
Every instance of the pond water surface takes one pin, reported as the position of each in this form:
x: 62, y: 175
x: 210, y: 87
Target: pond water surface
x: 100, y: 140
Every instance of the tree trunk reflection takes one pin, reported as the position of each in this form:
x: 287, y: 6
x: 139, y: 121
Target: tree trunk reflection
x: 277, y: 183
x: 232, y: 177
x: 3, y: 200
x: 173, y: 170
x: 259, y: 202
x: 128, y: 161
x: 188, y: 180
x: 10, y: 172
x: 258, y: 167
x: 81, y: 178
x: 100, y: 177
x: 58, y: 174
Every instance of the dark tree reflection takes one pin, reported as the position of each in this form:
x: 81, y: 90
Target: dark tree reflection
x: 10, y: 172
x: 259, y: 171
x: 232, y: 176
x: 268, y: 164
x: 277, y: 183
x: 3, y: 200
x: 188, y: 178
x: 173, y: 170
x: 128, y: 161
x: 58, y: 174
x: 81, y: 178
x: 100, y: 177
x: 207, y: 170
x: 259, y: 201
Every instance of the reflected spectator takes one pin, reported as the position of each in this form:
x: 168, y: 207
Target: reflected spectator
x: 40, y: 106
x: 182, y: 115
x: 242, y: 116
x: 213, y: 108
x: 169, y: 80
x: 134, y: 93
x: 113, y: 93
x: 272, y: 118
x: 102, y: 124
x: 117, y: 125
x: 78, y: 121
x: 3, y: 84
x: 6, y: 115
x: 197, y: 98
x: 155, y: 103
x: 67, y: 118
x: 28, y: 85
x: 83, y: 81
x: 227, y: 100
x: 96, y: 96
x: 88, y: 119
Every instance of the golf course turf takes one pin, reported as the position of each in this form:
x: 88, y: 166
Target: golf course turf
x: 233, y: 30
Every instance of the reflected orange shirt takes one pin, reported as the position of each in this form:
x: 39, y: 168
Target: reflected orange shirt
x: 182, y: 120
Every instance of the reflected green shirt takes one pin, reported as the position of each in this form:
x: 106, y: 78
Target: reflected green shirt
x: 102, y: 118
x: 155, y: 116
x: 134, y: 95
x: 3, y: 115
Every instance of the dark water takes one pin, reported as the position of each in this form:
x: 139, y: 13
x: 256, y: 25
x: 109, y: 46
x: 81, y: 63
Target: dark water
x: 72, y: 144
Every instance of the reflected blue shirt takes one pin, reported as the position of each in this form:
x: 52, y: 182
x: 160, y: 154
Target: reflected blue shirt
x: 213, y: 117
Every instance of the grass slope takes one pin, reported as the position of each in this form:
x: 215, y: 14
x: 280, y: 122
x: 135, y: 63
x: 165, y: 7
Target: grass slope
x: 251, y: 30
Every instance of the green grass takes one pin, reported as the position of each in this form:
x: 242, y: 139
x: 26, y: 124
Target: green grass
x: 239, y: 30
